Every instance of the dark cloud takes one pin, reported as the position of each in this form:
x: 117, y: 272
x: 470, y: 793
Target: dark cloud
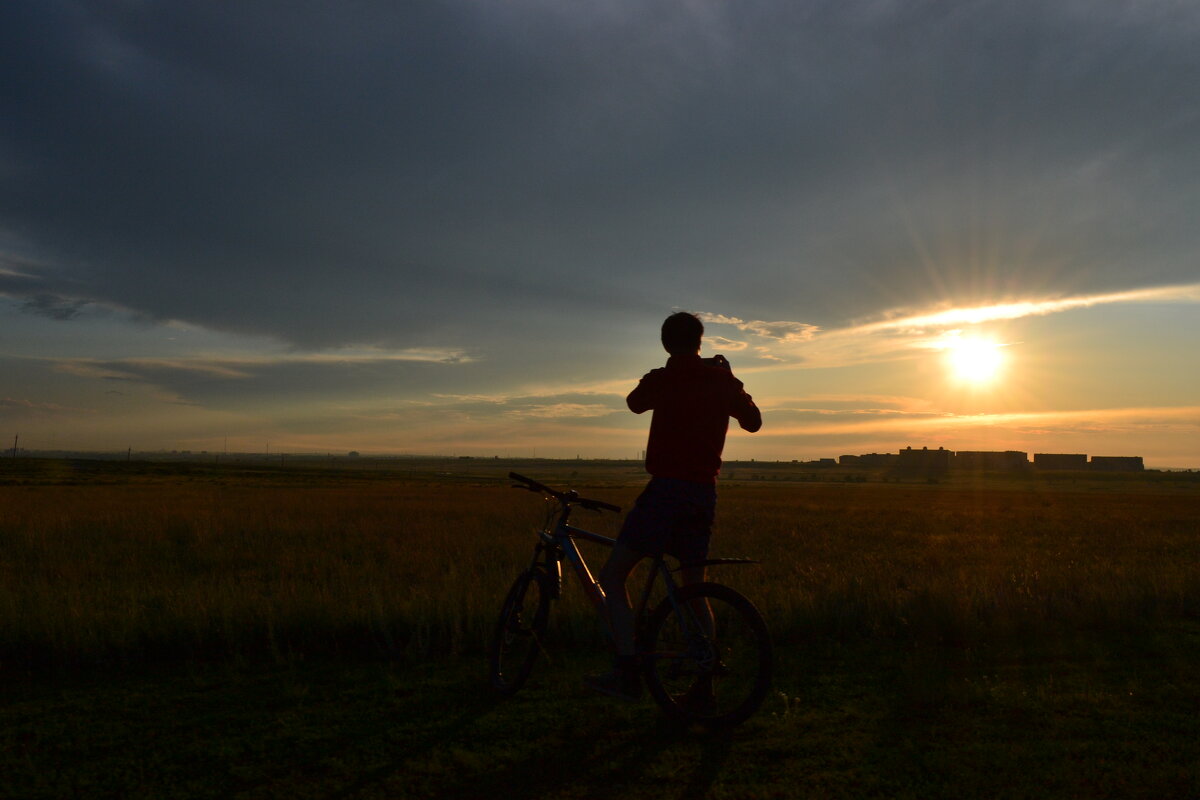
x: 60, y: 308
x: 12, y: 409
x: 459, y: 172
x: 230, y: 385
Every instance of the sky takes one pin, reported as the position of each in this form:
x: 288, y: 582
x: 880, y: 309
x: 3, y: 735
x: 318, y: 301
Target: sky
x: 456, y: 227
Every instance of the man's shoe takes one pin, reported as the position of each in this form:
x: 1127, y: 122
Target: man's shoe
x: 617, y: 683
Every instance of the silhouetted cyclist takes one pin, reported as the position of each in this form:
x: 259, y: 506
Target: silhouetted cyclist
x: 692, y: 399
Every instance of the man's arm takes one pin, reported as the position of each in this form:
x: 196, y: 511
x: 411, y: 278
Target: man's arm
x: 643, y: 397
x: 744, y: 410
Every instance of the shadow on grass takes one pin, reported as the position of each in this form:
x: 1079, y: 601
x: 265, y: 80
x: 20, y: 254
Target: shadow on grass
x: 476, y: 703
x: 714, y: 754
x: 443, y: 736
x: 609, y: 759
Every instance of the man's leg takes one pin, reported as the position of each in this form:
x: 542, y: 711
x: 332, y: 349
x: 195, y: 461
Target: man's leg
x: 701, y: 507
x: 624, y: 680
x: 612, y: 579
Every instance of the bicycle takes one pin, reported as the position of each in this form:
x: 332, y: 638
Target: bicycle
x: 679, y: 647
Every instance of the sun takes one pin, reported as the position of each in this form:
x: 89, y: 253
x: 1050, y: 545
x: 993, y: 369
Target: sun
x: 975, y: 361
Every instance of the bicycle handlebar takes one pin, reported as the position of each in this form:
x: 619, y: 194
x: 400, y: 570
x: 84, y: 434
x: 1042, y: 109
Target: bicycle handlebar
x: 568, y: 498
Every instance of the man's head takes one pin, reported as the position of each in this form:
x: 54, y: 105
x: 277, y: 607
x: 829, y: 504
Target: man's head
x: 681, y: 334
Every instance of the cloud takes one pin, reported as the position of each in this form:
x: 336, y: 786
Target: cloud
x: 853, y: 403
x: 764, y: 353
x: 783, y: 331
x: 144, y: 368
x: 554, y: 405
x: 54, y: 307
x: 778, y: 333
x: 20, y: 407
x: 234, y: 367
x: 560, y: 425
x: 271, y: 383
x: 11, y: 276
x: 718, y: 319
x: 845, y: 413
x: 721, y: 343
x: 975, y: 315
x: 563, y: 411
x: 410, y: 176
x: 92, y: 369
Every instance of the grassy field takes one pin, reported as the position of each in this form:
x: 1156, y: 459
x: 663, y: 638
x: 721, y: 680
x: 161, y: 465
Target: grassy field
x: 318, y: 630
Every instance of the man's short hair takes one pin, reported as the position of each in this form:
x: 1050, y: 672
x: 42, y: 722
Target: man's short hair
x: 681, y: 333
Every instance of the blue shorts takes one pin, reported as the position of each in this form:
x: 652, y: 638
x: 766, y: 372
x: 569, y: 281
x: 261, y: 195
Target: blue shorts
x: 671, y: 516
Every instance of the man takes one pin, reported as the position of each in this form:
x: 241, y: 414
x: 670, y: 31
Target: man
x: 692, y: 399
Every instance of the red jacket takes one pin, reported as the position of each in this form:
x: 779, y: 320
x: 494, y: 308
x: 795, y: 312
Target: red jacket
x: 693, y: 400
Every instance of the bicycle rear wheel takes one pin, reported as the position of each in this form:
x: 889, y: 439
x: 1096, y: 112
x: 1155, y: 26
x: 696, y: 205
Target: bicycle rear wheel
x: 517, y: 638
x: 715, y: 674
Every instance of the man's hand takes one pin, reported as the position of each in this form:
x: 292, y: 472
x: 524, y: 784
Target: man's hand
x: 719, y: 361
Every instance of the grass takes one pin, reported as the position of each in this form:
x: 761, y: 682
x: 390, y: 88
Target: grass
x: 201, y: 569
x: 300, y: 632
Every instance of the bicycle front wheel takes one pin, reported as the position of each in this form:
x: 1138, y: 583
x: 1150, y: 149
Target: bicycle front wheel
x: 708, y: 656
x: 517, y: 639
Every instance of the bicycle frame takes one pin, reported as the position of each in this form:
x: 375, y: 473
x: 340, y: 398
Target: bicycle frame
x: 559, y: 544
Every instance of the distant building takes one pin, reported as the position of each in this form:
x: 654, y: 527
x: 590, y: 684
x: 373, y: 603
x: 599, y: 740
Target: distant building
x: 1117, y: 463
x: 990, y: 460
x: 867, y: 460
x: 926, y: 461
x: 1060, y: 460
x: 923, y: 460
x: 877, y: 459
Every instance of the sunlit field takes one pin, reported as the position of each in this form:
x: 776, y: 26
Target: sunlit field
x: 278, y: 565
x: 319, y: 631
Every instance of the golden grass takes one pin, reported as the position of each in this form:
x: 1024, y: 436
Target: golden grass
x: 95, y: 575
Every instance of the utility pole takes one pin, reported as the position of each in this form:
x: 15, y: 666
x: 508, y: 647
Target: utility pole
x: 16, y: 438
